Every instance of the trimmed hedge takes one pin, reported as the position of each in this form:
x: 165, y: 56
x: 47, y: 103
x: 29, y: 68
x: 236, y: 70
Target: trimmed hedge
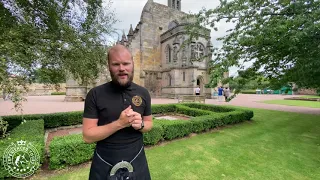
x: 191, y: 111
x: 71, y: 150
x: 175, y: 129
x: 160, y: 109
x: 50, y: 120
x: 30, y: 131
x: 69, y: 118
x: 74, y: 118
x: 209, y: 107
x: 154, y: 136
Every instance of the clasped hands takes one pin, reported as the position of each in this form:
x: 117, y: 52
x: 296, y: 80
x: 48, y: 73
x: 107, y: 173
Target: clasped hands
x: 128, y: 117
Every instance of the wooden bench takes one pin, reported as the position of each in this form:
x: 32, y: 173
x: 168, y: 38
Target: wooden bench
x: 192, y: 98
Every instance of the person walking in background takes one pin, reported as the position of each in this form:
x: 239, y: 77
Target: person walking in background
x: 220, y: 93
x: 197, y: 90
x: 226, y: 93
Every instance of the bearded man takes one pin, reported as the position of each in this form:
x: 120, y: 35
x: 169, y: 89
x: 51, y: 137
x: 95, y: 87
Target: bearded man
x: 116, y: 114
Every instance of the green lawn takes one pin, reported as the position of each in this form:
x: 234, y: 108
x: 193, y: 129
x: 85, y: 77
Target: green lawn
x: 276, y: 145
x: 310, y: 96
x: 312, y: 104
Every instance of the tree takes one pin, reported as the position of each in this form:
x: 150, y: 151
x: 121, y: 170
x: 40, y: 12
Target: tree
x: 54, y: 38
x: 258, y: 82
x: 280, y: 39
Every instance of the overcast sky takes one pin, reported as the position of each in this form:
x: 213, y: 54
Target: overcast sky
x: 129, y: 12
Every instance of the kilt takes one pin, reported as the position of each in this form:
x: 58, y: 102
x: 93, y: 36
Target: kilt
x: 104, y: 159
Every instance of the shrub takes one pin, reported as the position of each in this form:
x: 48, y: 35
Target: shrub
x: 72, y: 150
x: 175, y: 129
x: 160, y: 109
x: 3, y: 128
x: 154, y: 136
x: 50, y: 120
x: 204, y: 123
x: 69, y: 118
x: 182, y: 109
x: 30, y: 131
x: 209, y: 107
x: 69, y: 150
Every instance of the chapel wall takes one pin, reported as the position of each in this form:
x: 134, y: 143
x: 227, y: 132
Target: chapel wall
x: 145, y: 44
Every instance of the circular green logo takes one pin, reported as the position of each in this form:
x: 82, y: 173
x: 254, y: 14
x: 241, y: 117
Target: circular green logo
x: 21, y: 159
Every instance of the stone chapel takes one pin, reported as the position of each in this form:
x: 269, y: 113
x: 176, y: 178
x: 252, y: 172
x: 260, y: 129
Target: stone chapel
x: 161, y: 64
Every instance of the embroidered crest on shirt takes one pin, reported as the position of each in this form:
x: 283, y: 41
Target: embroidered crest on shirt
x: 137, y: 100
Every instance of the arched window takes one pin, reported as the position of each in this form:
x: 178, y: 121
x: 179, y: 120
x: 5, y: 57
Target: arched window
x: 201, y: 50
x: 168, y: 53
x: 197, y: 51
x: 169, y: 79
x: 178, y: 5
x: 173, y: 4
x: 184, y: 76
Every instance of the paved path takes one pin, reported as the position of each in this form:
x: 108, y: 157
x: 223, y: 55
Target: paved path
x: 51, y: 104
x: 254, y: 101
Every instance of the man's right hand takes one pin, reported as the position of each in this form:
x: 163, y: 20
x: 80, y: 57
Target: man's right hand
x: 125, y: 120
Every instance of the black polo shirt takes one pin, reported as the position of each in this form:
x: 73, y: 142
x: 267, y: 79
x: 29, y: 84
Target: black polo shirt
x: 107, y: 101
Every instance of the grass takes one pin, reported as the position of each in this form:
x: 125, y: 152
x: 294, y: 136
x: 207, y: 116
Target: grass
x: 312, y: 104
x: 276, y: 145
x: 310, y: 96
x: 58, y: 93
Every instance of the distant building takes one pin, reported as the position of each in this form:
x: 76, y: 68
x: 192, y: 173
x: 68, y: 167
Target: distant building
x: 162, y: 65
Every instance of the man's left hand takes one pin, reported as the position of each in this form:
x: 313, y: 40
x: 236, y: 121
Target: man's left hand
x: 136, y: 120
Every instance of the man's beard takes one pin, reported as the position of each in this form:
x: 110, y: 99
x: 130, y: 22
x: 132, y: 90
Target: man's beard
x: 120, y: 83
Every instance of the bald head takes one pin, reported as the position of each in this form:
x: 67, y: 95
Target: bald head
x: 118, y: 50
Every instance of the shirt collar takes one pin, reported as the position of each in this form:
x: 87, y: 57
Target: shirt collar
x: 117, y: 87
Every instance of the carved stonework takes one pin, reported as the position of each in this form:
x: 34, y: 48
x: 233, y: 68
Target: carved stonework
x: 151, y: 81
x: 193, y: 51
x: 159, y: 75
x: 197, y: 51
x: 142, y: 74
x: 175, y: 53
x: 200, y: 50
x: 184, y: 53
x: 168, y: 54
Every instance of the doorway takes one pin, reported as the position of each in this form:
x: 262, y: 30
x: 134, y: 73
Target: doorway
x: 200, y: 83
